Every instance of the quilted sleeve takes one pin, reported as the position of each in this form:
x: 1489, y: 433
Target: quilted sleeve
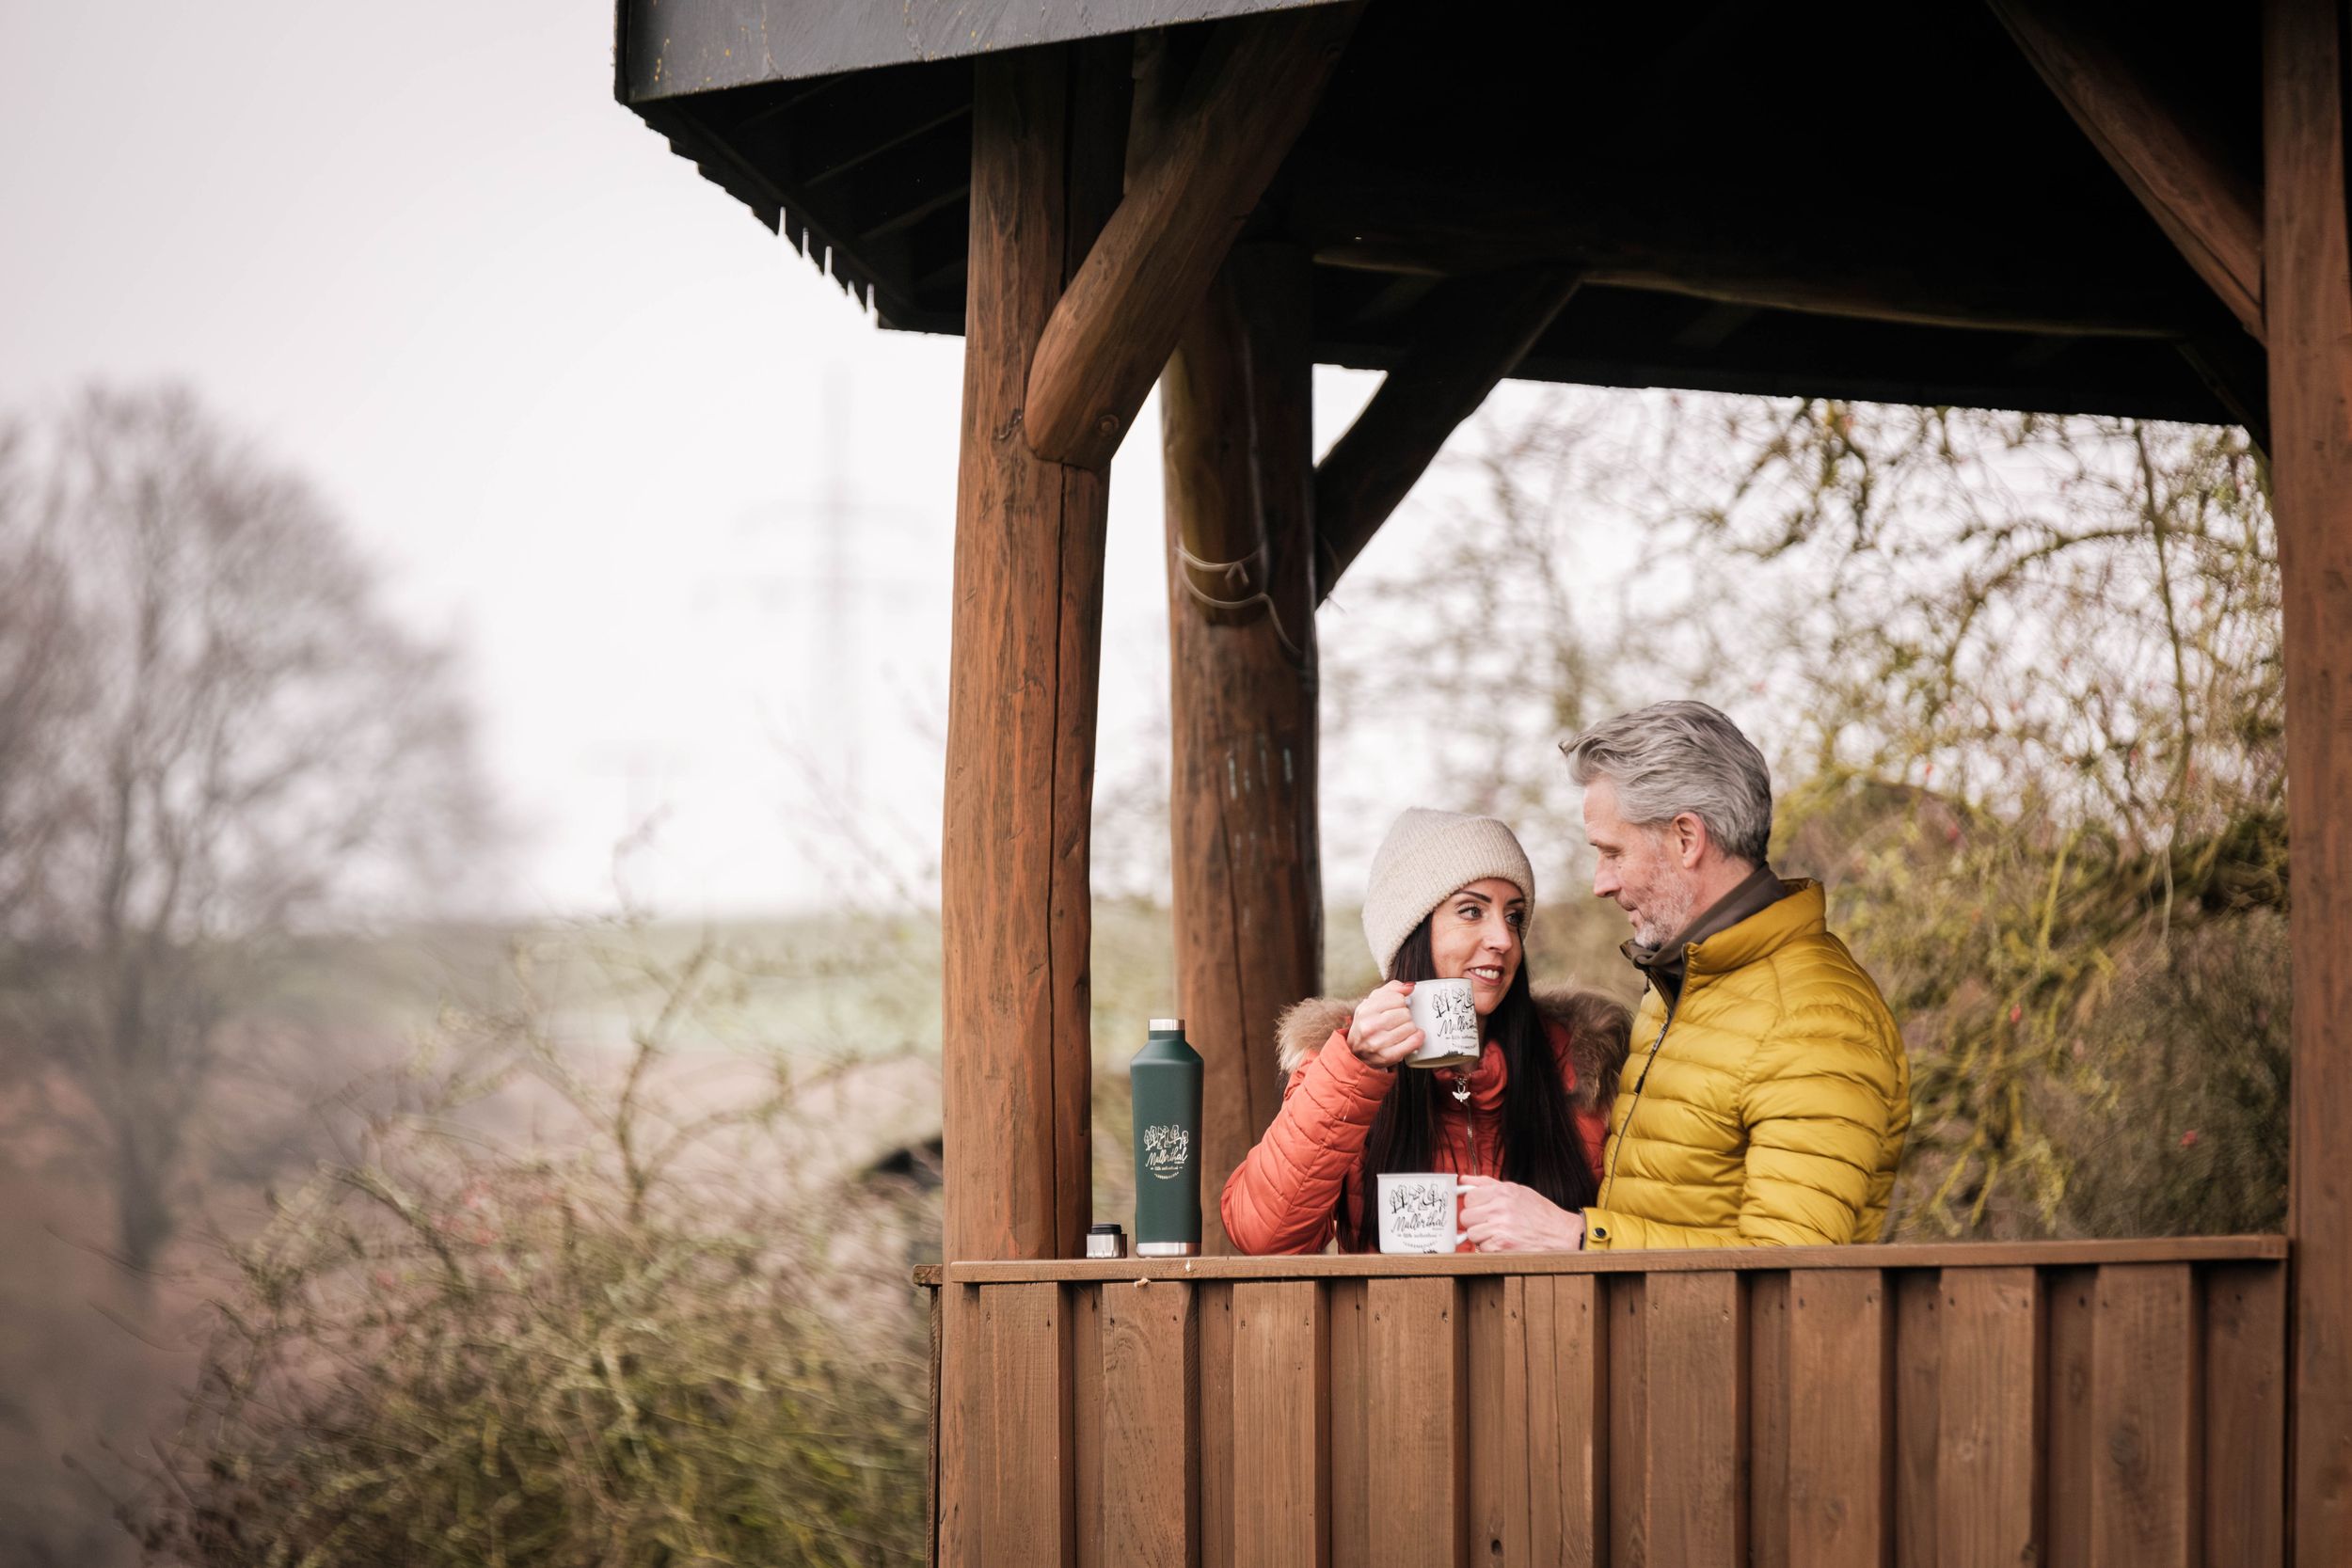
x: 1820, y: 1106
x: 1284, y: 1196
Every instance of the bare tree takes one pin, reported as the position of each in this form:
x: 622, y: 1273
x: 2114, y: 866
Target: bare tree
x: 210, y: 738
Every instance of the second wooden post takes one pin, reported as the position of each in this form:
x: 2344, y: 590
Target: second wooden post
x: 1236, y: 409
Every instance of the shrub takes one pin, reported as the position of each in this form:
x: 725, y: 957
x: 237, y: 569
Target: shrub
x: 624, y: 1351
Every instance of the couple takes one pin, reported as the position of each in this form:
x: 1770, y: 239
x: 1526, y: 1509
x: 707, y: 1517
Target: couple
x: 1767, y: 1096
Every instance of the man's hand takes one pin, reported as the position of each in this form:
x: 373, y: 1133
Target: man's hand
x: 1382, y: 1031
x: 1503, y: 1216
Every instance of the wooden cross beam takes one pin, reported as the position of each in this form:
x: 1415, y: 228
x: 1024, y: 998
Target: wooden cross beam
x: 1714, y: 245
x: 1478, y: 330
x: 1117, y: 323
x: 2208, y: 211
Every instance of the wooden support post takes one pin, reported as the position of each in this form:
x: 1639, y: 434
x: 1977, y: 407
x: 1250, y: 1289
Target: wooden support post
x: 2308, y: 298
x: 1477, y: 330
x: 1226, y: 134
x: 1048, y: 127
x: 2204, y: 207
x: 1237, y: 404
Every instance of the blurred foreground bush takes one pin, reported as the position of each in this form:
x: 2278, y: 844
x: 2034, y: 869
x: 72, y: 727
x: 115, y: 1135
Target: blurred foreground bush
x: 646, y: 1347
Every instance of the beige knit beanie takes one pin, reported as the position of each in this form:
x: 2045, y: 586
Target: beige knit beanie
x: 1427, y: 855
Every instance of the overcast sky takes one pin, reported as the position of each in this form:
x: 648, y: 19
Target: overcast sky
x: 586, y: 412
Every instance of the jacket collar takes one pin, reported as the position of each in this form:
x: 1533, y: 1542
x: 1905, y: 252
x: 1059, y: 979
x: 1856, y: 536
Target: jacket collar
x: 1750, y: 922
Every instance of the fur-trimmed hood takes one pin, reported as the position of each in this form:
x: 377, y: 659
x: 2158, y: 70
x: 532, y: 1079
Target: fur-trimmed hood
x: 1600, y: 1030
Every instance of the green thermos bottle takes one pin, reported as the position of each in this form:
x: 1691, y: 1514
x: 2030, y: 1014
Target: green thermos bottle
x: 1164, y: 1078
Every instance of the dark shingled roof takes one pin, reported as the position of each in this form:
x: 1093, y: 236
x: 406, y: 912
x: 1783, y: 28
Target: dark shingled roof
x: 1775, y: 201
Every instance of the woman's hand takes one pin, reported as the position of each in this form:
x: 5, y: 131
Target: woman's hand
x: 1503, y: 1216
x: 1382, y: 1031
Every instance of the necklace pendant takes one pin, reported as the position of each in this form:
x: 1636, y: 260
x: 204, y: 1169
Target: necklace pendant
x: 1461, y: 1087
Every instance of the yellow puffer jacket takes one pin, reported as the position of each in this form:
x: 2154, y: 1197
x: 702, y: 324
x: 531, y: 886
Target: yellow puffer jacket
x: 1775, y: 1107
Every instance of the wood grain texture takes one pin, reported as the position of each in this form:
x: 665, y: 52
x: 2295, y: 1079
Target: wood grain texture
x: 1956, y: 1254
x: 2308, y: 302
x: 1918, y: 1422
x: 1695, y: 1499
x: 1016, y: 1060
x: 1218, y: 1478
x: 1841, y: 1431
x: 2147, y: 1417
x: 1989, y: 1394
x: 1281, y: 1440
x: 2209, y: 210
x: 1151, y: 1446
x: 2246, y: 1407
x: 1767, y: 1420
x: 1257, y: 83
x: 937, y: 1314
x: 2070, y: 1297
x: 1246, y: 891
x: 1088, y: 1415
x: 1494, y: 1329
x: 1008, y: 1457
x: 1628, y: 1419
x: 1569, y: 1441
x: 1413, y: 1386
x: 1351, y: 1423
x: 1477, y: 329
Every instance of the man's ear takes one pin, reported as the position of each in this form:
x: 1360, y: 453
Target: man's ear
x: 1687, y: 834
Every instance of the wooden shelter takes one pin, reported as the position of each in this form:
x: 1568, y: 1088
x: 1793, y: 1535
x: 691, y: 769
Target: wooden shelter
x: 2028, y: 204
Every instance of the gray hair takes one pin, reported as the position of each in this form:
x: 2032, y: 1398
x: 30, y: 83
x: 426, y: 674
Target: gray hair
x: 1672, y: 757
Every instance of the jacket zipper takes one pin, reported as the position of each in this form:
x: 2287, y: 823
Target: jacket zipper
x: 1626, y: 1128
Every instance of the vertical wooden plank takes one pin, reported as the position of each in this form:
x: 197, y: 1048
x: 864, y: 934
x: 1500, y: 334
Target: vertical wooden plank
x: 1841, y: 1430
x: 1767, y: 1420
x: 2246, y: 1364
x: 1087, y: 1398
x: 1413, y: 1384
x: 2147, y: 1420
x: 1282, y: 1397
x: 2070, y: 1296
x: 1569, y: 1498
x: 1235, y: 409
x: 1988, y: 1480
x: 1007, y: 1459
x: 2306, y: 301
x: 930, y: 1457
x: 1213, y: 1315
x: 1695, y: 1497
x: 1919, y: 1432
x: 1496, y: 1357
x: 1628, y: 1419
x: 1151, y: 1456
x: 1351, y: 1426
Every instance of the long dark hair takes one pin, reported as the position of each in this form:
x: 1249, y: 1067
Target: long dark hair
x: 1541, y: 1147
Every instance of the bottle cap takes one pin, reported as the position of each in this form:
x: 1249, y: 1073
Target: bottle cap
x: 1107, y: 1241
x: 1167, y: 1025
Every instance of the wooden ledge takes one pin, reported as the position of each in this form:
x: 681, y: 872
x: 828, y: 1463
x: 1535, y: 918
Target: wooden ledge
x: 1903, y: 1255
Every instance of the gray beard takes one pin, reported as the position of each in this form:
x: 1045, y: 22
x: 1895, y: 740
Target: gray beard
x: 1662, y: 927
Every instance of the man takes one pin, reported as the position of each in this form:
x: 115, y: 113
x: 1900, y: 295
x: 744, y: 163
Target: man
x: 1768, y: 1094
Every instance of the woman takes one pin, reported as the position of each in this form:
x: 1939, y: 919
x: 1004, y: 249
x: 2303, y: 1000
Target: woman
x: 1450, y: 898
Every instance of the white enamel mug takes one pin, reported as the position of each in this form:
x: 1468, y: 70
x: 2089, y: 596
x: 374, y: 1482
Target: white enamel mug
x: 1418, y: 1212
x: 1448, y: 1021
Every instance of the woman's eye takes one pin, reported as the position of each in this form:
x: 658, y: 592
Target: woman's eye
x: 1517, y: 918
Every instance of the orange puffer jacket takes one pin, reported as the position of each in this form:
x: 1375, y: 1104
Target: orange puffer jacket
x: 1286, y: 1197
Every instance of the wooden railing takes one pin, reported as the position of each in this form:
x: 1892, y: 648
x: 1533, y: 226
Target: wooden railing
x: 2045, y: 1403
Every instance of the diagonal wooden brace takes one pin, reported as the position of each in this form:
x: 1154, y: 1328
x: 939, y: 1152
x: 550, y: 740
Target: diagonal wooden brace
x: 1252, y: 94
x: 1478, y: 330
x: 2212, y: 214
